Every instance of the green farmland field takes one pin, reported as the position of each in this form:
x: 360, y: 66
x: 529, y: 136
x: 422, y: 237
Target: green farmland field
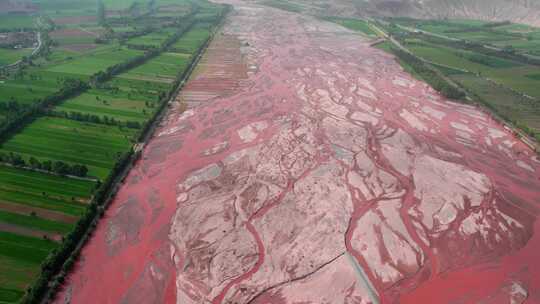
x: 95, y: 62
x: 523, y: 38
x: 20, y: 257
x: 354, y: 24
x: 34, y: 222
x: 154, y: 39
x: 44, y: 191
x: 96, y: 103
x: 58, y: 139
x: 163, y: 68
x: 190, y: 42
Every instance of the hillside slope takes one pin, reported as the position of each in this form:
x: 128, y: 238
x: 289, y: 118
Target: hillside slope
x: 519, y: 11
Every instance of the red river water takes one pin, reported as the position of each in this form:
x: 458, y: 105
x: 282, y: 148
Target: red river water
x: 303, y: 146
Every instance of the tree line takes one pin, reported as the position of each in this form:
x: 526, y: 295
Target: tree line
x: 57, y: 167
x: 92, y: 118
x: 24, y: 115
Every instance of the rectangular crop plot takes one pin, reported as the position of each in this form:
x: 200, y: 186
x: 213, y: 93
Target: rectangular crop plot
x: 42, y: 191
x: 20, y: 258
x: 73, y: 142
x: 137, y: 89
x: 154, y: 39
x: 191, y: 41
x: 103, y: 103
x: 354, y: 24
x: 33, y: 222
x: 163, y: 68
x: 95, y: 62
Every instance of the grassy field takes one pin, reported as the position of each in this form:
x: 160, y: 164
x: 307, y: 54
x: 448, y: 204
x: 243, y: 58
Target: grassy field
x: 58, y: 139
x: 354, y: 24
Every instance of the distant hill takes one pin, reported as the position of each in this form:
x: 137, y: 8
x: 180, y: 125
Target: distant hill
x: 519, y: 11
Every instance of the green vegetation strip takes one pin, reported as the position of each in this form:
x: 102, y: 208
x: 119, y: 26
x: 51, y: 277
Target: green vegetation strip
x: 358, y: 25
